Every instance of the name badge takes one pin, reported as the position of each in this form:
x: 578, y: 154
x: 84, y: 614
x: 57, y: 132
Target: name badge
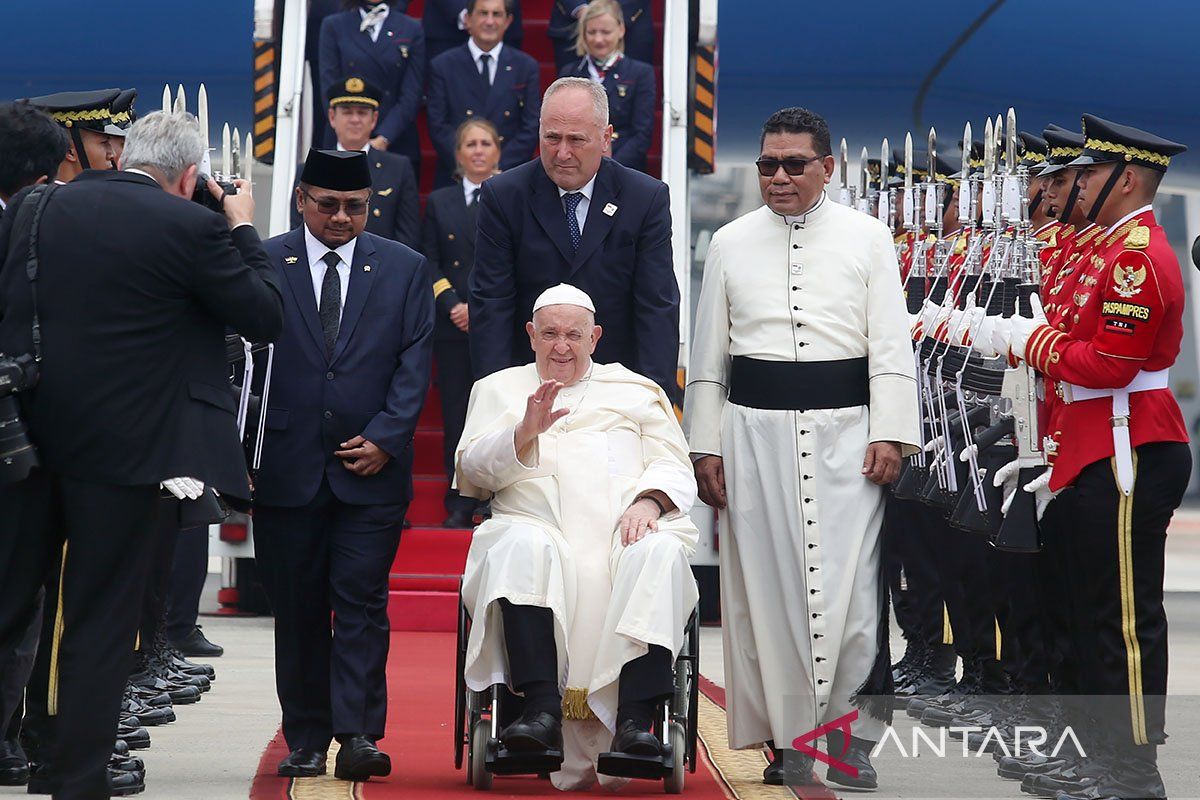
x: 609, y: 210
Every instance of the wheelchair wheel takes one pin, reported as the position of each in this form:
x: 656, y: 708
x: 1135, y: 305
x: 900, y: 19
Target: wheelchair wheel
x: 673, y: 783
x: 477, y: 773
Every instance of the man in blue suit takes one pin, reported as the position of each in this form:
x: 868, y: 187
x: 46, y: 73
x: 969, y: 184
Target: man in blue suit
x: 351, y: 372
x: 576, y: 216
x: 564, y: 26
x: 386, y: 48
x: 485, y: 78
x: 444, y: 22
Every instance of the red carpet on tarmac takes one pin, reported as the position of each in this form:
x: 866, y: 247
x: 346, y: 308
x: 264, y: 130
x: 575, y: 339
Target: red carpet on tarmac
x: 420, y: 741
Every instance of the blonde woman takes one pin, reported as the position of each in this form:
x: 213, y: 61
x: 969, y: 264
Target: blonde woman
x: 448, y: 241
x: 629, y: 83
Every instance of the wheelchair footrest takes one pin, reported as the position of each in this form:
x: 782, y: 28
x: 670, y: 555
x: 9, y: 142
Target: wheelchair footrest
x: 625, y: 765
x: 500, y: 761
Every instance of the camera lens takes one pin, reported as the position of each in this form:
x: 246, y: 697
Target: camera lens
x: 17, y: 456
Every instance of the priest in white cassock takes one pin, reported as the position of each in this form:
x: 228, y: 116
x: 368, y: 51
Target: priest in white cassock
x: 579, y: 586
x: 801, y: 401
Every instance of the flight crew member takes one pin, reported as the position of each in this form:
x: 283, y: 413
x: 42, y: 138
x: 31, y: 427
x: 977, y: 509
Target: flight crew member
x: 351, y: 372
x: 385, y: 48
x: 640, y: 35
x: 445, y: 25
x: 575, y: 214
x: 1123, y: 454
x: 448, y: 237
x: 484, y: 78
x: 629, y: 83
x: 92, y: 502
x: 353, y: 114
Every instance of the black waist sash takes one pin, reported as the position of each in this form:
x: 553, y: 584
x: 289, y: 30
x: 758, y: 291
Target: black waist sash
x: 799, y: 385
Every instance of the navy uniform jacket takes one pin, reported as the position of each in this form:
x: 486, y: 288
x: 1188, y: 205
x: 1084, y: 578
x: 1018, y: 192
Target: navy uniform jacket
x: 395, y: 202
x: 440, y: 21
x: 448, y: 241
x: 631, y: 100
x: 513, y: 103
x: 639, y: 28
x: 623, y: 262
x: 374, y: 385
x: 395, y: 63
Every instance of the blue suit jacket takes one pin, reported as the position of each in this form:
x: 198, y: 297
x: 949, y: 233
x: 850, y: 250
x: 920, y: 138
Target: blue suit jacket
x: 395, y: 63
x: 439, y: 18
x: 374, y: 385
x: 513, y: 103
x: 631, y: 100
x: 623, y: 261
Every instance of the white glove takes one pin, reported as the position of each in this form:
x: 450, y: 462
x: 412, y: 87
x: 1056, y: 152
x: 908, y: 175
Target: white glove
x: 967, y: 452
x: 1006, y: 476
x: 184, y: 488
x: 982, y: 341
x: 1023, y: 328
x: 973, y: 318
x: 1039, y: 487
x: 1002, y: 333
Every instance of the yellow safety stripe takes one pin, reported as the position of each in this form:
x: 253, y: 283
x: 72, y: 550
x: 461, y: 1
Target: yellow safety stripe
x: 52, y: 694
x: 1133, y: 649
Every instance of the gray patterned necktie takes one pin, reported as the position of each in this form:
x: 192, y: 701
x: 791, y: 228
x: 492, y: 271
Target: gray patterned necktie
x: 331, y: 301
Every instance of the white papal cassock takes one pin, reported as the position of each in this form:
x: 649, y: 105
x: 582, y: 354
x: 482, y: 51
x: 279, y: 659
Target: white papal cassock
x: 552, y: 540
x: 799, y: 540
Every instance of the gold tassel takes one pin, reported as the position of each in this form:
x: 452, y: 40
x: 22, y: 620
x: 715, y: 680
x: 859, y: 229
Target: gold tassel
x: 575, y: 705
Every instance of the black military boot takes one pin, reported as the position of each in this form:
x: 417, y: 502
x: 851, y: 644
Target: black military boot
x: 914, y: 654
x: 1132, y: 772
x: 14, y: 764
x: 936, y: 679
x: 857, y: 756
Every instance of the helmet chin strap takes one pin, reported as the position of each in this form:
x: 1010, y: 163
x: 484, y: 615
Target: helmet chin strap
x: 80, y: 152
x: 1109, y: 185
x: 1064, y: 216
x: 1036, y: 202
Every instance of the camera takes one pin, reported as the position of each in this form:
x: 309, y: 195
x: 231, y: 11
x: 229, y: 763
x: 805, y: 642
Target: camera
x: 17, y: 454
x: 205, y: 198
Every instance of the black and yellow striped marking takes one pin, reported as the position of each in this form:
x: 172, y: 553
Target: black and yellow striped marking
x: 266, y: 82
x: 702, y: 152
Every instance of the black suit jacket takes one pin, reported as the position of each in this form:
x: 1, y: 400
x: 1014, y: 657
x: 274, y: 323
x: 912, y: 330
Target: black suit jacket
x: 439, y: 19
x: 395, y: 202
x: 623, y: 262
x: 631, y: 99
x: 136, y: 290
x: 448, y: 241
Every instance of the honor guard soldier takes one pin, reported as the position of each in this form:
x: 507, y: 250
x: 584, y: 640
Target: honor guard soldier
x: 123, y: 115
x: 86, y: 116
x: 485, y: 77
x: 1123, y: 462
x: 353, y: 113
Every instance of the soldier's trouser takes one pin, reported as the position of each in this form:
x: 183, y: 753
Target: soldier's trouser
x: 907, y: 547
x: 964, y: 573
x: 1057, y: 602
x: 1118, y: 550
x: 1019, y: 612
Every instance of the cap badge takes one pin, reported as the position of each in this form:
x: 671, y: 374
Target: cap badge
x: 355, y: 85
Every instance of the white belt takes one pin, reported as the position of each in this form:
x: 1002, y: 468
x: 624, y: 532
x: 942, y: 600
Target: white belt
x: 1122, y: 450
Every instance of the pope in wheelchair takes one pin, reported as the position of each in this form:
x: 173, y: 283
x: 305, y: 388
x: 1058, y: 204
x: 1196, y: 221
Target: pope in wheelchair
x: 578, y: 587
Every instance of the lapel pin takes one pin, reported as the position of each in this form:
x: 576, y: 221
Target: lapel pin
x: 404, y: 51
x: 389, y: 33
x: 366, y: 268
x: 291, y: 259
x: 508, y: 67
x: 609, y: 210
x: 621, y: 90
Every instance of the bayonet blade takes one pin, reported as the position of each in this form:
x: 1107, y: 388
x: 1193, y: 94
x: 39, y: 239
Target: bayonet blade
x: 202, y: 112
x: 249, y: 158
x: 1011, y: 152
x: 236, y: 168
x: 885, y: 158
x: 167, y: 103
x: 932, y: 155
x: 844, y: 165
x: 966, y: 155
x: 864, y: 174
x: 226, y: 152
x: 180, y: 100
x: 989, y: 144
x: 998, y: 132
x: 908, y: 162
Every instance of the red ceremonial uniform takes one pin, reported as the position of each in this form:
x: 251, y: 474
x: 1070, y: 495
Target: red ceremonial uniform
x: 904, y: 253
x: 1122, y: 314
x: 1050, y: 236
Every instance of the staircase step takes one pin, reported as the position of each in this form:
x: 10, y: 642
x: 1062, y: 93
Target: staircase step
x: 423, y: 611
x: 432, y: 551
x: 428, y: 507
x: 427, y: 452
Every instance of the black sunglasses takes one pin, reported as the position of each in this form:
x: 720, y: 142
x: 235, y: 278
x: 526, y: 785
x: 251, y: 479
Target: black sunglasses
x: 792, y: 166
x: 330, y: 206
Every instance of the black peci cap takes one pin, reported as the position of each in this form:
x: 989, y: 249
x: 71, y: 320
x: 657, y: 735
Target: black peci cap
x: 337, y: 170
x: 1108, y: 142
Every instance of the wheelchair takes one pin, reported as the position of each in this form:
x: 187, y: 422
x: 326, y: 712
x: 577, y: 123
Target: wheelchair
x: 477, y: 726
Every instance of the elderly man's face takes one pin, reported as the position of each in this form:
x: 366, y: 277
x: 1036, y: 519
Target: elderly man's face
x: 333, y: 217
x: 563, y: 339
x: 794, y: 194
x: 573, y: 140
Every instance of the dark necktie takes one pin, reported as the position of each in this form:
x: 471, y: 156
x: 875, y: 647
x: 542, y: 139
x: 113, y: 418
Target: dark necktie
x: 571, y: 201
x: 474, y: 197
x: 484, y: 72
x: 331, y: 301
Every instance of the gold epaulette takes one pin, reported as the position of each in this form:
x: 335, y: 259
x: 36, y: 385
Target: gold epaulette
x: 1119, y: 232
x: 1138, y: 238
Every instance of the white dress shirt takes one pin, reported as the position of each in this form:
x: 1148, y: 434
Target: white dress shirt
x: 366, y: 148
x: 606, y: 64
x: 476, y: 52
x: 377, y: 27
x: 581, y: 210
x: 316, y: 252
x: 469, y: 189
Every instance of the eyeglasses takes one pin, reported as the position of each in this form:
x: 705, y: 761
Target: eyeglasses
x: 767, y: 167
x: 331, y: 206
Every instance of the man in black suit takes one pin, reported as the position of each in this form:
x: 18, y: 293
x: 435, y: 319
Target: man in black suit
x: 135, y: 289
x: 394, y: 212
x: 576, y: 216
x: 350, y: 375
x: 445, y: 25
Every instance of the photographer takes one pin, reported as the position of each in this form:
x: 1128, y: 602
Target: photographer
x: 134, y: 288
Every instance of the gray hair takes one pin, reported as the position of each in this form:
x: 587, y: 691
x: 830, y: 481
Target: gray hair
x: 598, y: 95
x: 168, y: 143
